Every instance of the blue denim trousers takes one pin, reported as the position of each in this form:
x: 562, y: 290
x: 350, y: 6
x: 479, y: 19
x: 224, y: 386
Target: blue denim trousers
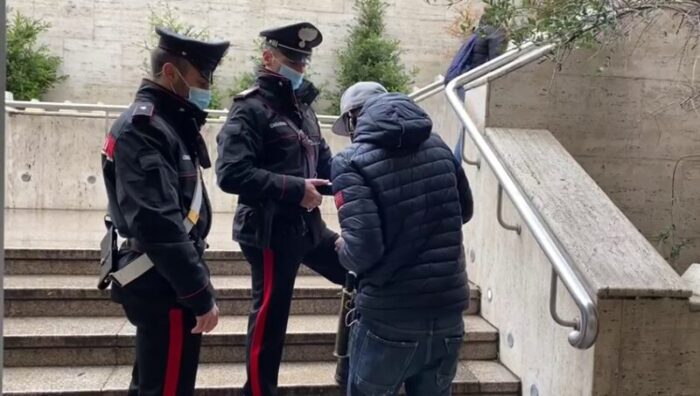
x: 422, y: 355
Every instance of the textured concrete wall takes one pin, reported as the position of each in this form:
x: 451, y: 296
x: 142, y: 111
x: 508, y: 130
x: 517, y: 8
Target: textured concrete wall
x: 54, y: 163
x: 636, y: 353
x: 629, y: 123
x: 513, y: 274
x: 101, y: 41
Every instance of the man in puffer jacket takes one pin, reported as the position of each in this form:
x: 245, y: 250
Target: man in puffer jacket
x: 402, y: 199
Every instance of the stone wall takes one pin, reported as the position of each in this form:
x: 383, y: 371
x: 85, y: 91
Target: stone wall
x: 53, y: 162
x: 101, y: 41
x: 646, y: 343
x: 626, y: 114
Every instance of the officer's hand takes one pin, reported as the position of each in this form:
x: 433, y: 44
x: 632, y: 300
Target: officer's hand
x: 339, y: 244
x: 312, y: 198
x: 207, y: 322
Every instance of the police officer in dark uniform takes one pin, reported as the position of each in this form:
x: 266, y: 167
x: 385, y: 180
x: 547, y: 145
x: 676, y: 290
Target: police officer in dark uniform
x: 152, y: 160
x: 272, y: 154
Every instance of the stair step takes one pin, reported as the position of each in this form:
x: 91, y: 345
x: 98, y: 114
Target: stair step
x: 77, y: 295
x: 86, y: 262
x: 296, y: 379
x: 64, y: 295
x: 84, y: 341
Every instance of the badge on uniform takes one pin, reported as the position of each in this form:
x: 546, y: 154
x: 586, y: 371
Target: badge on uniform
x: 143, y: 110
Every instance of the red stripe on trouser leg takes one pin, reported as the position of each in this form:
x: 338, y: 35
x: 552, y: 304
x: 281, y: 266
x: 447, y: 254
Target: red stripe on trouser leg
x: 172, y: 371
x: 259, y: 332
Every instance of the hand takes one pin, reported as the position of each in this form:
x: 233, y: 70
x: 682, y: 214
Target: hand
x: 312, y: 198
x: 207, y: 322
x: 339, y: 244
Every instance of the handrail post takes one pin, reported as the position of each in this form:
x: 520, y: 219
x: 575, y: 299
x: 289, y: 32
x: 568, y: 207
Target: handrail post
x: 469, y: 162
x: 576, y: 323
x: 499, y: 210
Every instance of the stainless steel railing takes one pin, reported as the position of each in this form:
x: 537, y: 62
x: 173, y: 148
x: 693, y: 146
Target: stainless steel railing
x: 585, y: 327
x: 84, y: 110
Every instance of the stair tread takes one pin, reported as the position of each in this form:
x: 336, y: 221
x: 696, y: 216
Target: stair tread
x: 77, y: 287
x: 18, y: 282
x: 480, y: 376
x: 18, y: 330
x: 83, y: 229
x: 49, y: 252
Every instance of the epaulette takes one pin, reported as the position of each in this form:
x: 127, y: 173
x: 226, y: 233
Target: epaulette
x: 246, y: 93
x: 143, y: 111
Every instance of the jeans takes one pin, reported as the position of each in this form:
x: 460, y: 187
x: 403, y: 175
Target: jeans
x: 420, y: 354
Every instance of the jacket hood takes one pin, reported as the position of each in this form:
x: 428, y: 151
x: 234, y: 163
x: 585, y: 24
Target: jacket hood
x: 393, y: 121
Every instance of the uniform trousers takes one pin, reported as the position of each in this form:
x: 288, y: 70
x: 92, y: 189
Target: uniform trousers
x: 167, y: 353
x: 274, y: 271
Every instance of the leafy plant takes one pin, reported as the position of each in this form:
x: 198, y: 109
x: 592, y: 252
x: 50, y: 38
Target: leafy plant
x: 464, y: 23
x: 246, y: 79
x: 168, y: 18
x: 577, y: 23
x: 369, y: 55
x: 31, y: 68
x: 669, y: 246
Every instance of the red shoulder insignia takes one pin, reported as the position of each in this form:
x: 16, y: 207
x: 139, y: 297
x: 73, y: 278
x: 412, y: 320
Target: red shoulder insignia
x: 339, y: 199
x: 108, y: 147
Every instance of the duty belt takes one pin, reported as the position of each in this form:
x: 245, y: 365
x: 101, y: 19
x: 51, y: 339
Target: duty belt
x: 143, y: 263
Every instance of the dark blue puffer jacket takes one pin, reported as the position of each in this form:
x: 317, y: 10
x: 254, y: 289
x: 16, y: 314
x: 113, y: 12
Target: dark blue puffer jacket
x: 402, y: 199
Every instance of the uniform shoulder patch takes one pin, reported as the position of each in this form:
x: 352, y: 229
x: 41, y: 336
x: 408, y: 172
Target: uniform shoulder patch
x: 142, y: 110
x: 246, y: 93
x: 108, y: 147
x: 339, y: 199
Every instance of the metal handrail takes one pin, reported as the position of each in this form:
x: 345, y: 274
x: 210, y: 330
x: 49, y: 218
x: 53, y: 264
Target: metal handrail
x: 585, y: 328
x: 429, y: 90
x: 434, y: 88
x: 85, y: 110
x: 99, y: 110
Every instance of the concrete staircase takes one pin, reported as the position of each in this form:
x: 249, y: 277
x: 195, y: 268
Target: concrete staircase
x: 63, y: 336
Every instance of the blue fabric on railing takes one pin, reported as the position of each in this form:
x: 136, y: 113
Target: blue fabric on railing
x: 486, y: 43
x: 461, y: 62
x: 460, y: 65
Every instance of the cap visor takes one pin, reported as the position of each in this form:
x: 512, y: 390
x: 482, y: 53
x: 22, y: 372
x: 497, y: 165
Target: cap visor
x: 296, y: 56
x: 340, y: 127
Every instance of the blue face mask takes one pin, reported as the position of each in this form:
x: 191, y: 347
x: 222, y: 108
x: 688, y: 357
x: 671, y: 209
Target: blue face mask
x: 197, y: 96
x: 292, y: 75
x: 200, y: 97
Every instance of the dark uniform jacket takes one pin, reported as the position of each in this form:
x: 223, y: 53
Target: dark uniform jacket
x: 270, y: 144
x: 402, y: 200
x: 149, y: 163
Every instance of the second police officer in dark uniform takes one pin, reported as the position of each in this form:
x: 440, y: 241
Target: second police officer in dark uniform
x: 151, y: 164
x: 272, y: 154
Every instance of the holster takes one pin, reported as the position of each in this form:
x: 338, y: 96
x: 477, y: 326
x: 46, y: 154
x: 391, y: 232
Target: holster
x: 108, y: 254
